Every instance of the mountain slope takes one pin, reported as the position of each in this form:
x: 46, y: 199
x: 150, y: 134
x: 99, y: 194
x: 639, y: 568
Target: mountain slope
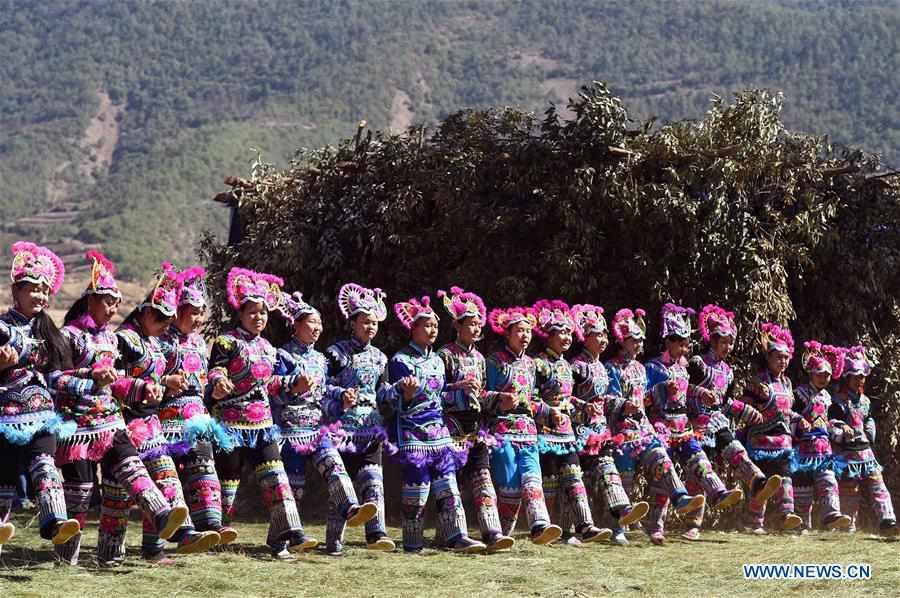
x: 118, y: 120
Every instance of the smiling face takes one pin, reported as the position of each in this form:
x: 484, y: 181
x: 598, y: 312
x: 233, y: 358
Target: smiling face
x: 678, y: 347
x: 254, y: 317
x: 308, y: 328
x: 721, y: 346
x: 518, y: 337
x: 596, y: 342
x: 364, y: 327
x: 30, y: 299
x: 777, y: 362
x: 424, y: 331
x: 190, y: 318
x: 468, y: 330
x: 102, y: 308
x: 560, y: 341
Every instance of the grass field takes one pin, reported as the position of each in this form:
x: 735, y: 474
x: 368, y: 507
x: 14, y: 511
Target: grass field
x: 711, y: 567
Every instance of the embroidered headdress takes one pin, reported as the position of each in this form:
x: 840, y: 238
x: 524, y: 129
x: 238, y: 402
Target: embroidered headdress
x: 822, y: 359
x: 410, y: 311
x: 775, y: 338
x: 38, y: 265
x: 294, y: 307
x: 246, y: 285
x: 716, y: 321
x: 856, y: 363
x: 103, y: 280
x: 194, y: 287
x: 355, y: 299
x: 463, y: 304
x: 501, y: 318
x: 166, y: 292
x: 553, y: 316
x: 675, y: 320
x: 629, y: 324
x: 588, y: 319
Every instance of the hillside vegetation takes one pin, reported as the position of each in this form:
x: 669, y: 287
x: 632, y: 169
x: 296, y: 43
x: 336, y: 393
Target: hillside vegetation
x: 118, y: 119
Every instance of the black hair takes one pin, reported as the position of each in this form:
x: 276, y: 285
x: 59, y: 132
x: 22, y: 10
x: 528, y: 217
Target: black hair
x: 78, y: 309
x: 59, y: 354
x: 132, y: 317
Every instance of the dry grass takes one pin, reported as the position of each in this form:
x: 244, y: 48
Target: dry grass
x: 708, y: 568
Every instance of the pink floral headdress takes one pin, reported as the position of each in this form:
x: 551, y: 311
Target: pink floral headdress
x: 246, y: 285
x: 629, y: 324
x: 410, y: 311
x: 463, y: 304
x: 194, y: 287
x: 588, y: 320
x: 716, y: 321
x: 38, y: 265
x: 675, y: 320
x: 294, y: 307
x: 855, y: 362
x: 553, y: 316
x: 775, y: 338
x: 502, y: 318
x: 821, y: 359
x: 356, y: 299
x: 166, y: 292
x: 103, y: 280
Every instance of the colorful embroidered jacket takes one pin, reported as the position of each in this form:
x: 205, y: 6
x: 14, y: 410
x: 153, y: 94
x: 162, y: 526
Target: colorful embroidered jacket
x: 812, y: 440
x: 462, y: 410
x: 417, y: 426
x: 855, y: 449
x: 669, y: 411
x: 628, y: 387
x: 142, y: 362
x: 26, y: 406
x: 81, y: 400
x: 591, y: 388
x: 772, y: 438
x: 509, y: 372
x: 556, y: 387
x: 300, y: 416
x: 249, y: 362
x: 711, y: 373
x: 183, y: 415
x: 352, y: 364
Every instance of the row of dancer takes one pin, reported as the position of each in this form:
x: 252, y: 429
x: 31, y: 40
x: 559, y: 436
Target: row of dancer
x: 144, y: 397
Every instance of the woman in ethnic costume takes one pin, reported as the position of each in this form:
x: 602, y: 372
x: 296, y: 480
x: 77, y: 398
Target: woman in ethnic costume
x: 769, y: 442
x: 189, y: 430
x: 813, y: 468
x: 668, y: 386
x: 30, y: 345
x: 140, y: 391
x: 511, y: 406
x: 84, y: 396
x: 242, y: 382
x: 356, y: 373
x: 598, y: 449
x: 851, y: 416
x: 712, y: 401
x: 304, y: 434
x: 640, y: 445
x: 465, y: 376
x: 557, y: 441
x: 429, y: 457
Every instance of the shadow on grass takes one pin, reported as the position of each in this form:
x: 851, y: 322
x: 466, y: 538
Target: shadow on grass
x: 21, y: 557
